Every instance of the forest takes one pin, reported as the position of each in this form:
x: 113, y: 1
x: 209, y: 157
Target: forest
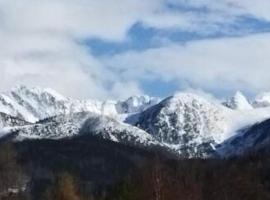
x: 89, y: 168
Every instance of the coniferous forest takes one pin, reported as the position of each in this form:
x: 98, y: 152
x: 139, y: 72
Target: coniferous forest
x: 89, y: 168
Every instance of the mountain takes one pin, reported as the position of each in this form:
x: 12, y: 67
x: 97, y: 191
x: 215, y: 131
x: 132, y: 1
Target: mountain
x: 77, y: 124
x: 248, y: 140
x: 238, y: 102
x: 194, y: 126
x: 34, y: 104
x: 136, y: 104
x: 187, y: 122
x: 116, y: 131
x: 9, y: 121
x: 262, y: 100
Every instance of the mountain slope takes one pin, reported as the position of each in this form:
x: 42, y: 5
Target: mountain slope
x: 238, y: 102
x: 114, y: 130
x: 75, y: 124
x: 186, y: 122
x: 250, y: 139
x: 34, y: 104
x: 9, y: 121
x: 136, y: 104
x: 262, y: 100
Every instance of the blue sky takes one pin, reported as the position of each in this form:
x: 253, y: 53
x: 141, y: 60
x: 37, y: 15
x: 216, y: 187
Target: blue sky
x: 140, y: 38
x: 117, y: 48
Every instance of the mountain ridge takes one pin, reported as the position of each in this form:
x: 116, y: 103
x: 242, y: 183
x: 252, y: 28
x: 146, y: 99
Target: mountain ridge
x: 185, y: 123
x: 35, y: 103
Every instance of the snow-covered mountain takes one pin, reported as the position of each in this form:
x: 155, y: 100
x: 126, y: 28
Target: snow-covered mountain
x: 186, y: 123
x: 194, y: 126
x: 75, y: 124
x: 238, y: 102
x: 247, y: 140
x: 34, y: 104
x: 262, y: 100
x: 136, y: 104
x: 9, y: 121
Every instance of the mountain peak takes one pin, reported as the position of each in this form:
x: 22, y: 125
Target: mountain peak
x: 238, y: 102
x: 262, y: 100
x: 37, y: 91
x: 32, y: 103
x: 35, y: 103
x: 186, y: 96
x: 135, y: 104
x: 187, y: 122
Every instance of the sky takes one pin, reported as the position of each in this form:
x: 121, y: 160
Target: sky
x: 112, y: 49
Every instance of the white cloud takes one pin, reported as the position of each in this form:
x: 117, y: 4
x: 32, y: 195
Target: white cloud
x: 258, y: 8
x: 41, y: 42
x: 239, y: 63
x: 41, y: 45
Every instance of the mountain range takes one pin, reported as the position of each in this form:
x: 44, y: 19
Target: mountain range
x: 187, y: 124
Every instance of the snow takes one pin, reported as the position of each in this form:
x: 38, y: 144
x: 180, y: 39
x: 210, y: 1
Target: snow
x: 53, y: 93
x: 240, y: 119
x: 115, y: 129
x: 75, y: 124
x: 11, y: 107
x: 185, y: 122
x: 136, y: 104
x: 191, y: 109
x: 4, y: 131
x: 262, y: 100
x: 34, y: 104
x: 239, y: 102
x: 187, y: 115
x: 182, y: 121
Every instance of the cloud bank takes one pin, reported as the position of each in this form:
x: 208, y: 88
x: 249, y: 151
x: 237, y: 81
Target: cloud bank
x: 241, y: 63
x: 42, y: 43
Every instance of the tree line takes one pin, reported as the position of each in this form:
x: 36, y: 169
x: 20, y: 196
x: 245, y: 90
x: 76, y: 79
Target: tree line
x: 157, y: 179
